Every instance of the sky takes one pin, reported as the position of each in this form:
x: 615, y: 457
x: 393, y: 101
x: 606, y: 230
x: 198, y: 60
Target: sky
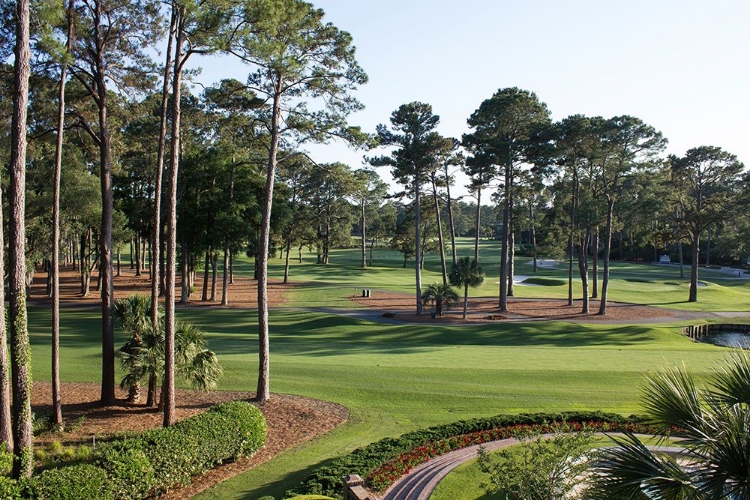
x: 682, y: 66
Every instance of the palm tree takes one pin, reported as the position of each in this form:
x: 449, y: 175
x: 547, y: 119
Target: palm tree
x: 133, y: 313
x: 142, y: 356
x: 714, y: 426
x: 440, y: 295
x: 466, y: 273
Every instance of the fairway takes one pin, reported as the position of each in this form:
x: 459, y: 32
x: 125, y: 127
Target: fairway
x: 396, y: 378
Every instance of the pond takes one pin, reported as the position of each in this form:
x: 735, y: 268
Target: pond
x: 728, y: 339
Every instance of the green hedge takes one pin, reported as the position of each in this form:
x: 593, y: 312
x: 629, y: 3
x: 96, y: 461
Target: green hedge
x: 159, y: 459
x: 151, y: 463
x: 326, y: 480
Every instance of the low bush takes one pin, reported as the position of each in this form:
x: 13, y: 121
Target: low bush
x: 326, y: 480
x: 151, y: 463
x: 10, y: 489
x: 159, y: 459
x: 70, y: 483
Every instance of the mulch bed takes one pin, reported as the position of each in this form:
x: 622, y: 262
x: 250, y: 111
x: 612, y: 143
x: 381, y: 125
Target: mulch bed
x: 481, y: 310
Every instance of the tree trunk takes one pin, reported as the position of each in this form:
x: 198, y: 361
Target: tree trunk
x: 466, y: 301
x: 607, y: 251
x: 137, y: 255
x: 693, y: 295
x: 418, y: 244
x: 225, y: 278
x: 477, y: 223
x: 184, y: 274
x: 20, y: 352
x: 511, y: 258
x: 286, y: 262
x: 441, y: 242
x: 584, y: 273
x: 451, y: 223
x: 532, y: 235
x: 57, y: 417
x: 207, y: 260
x: 363, y: 220
x: 504, y: 245
x: 570, y: 269
x: 595, y: 264
x: 682, y: 260
x: 214, y: 265
x: 168, y: 387
x: 263, y: 391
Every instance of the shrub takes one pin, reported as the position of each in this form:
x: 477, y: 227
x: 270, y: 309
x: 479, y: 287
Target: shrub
x: 158, y: 459
x: 128, y: 468
x: 6, y: 462
x: 10, y: 489
x: 71, y: 483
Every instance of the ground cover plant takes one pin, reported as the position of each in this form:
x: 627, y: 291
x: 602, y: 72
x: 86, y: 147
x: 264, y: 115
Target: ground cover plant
x: 397, y: 378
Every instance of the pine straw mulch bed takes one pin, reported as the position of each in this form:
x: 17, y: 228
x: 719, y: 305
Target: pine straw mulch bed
x: 402, y: 307
x: 292, y: 420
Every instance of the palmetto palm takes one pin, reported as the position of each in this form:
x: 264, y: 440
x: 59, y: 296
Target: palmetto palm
x: 142, y: 356
x: 466, y: 273
x: 134, y: 315
x: 441, y: 295
x: 714, y: 427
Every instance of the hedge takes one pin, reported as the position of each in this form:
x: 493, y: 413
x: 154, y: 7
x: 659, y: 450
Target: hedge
x: 70, y: 483
x: 151, y: 463
x: 326, y: 480
x: 159, y: 459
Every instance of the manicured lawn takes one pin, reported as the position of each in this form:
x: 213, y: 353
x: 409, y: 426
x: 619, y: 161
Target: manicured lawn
x: 396, y: 378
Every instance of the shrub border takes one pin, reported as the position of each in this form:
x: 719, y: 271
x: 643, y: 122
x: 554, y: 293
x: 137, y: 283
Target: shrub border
x: 326, y: 480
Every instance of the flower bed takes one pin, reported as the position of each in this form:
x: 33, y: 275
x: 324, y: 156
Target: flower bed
x: 417, y: 446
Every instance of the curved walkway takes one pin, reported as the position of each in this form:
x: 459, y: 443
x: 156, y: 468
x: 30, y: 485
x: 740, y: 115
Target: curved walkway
x: 423, y: 479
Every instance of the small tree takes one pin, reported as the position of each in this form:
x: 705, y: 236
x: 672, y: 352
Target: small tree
x: 538, y: 467
x: 440, y: 295
x: 142, y: 355
x: 466, y: 273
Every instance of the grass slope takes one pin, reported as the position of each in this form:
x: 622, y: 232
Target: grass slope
x: 396, y: 378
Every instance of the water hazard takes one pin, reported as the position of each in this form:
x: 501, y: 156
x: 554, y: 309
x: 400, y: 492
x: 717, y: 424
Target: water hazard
x: 728, y: 339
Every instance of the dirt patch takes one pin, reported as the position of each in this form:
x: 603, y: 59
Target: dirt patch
x: 292, y: 420
x: 402, y: 307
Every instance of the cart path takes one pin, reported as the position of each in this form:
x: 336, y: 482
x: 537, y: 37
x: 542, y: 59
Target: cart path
x: 423, y: 479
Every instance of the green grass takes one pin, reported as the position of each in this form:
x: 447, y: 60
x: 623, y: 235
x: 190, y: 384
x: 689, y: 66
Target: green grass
x: 397, y: 378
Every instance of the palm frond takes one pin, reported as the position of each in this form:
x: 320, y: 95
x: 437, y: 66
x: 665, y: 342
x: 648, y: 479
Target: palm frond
x: 630, y: 471
x: 732, y: 382
x: 672, y: 401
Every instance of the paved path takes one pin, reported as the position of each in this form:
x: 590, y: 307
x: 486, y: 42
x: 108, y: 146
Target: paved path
x: 423, y: 479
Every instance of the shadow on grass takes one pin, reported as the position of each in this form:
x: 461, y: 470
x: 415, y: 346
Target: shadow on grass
x: 284, y: 483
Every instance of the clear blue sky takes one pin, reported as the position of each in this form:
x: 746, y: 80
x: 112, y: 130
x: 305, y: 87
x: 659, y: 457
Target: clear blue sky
x: 683, y: 66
